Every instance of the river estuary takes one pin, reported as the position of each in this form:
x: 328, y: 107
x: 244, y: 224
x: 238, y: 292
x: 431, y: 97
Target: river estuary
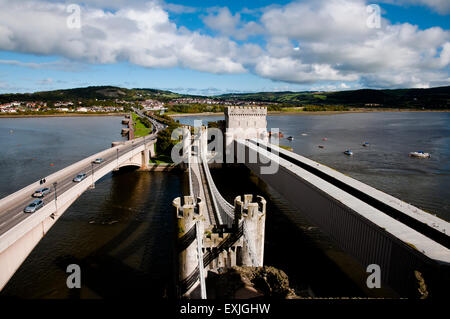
x: 120, y: 231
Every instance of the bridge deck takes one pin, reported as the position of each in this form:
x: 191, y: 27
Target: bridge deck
x: 340, y: 196
x: 11, y: 207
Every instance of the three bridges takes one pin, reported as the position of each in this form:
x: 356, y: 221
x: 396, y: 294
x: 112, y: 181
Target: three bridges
x: 373, y: 227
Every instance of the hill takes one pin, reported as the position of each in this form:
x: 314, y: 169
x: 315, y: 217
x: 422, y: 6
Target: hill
x: 91, y: 93
x: 432, y: 98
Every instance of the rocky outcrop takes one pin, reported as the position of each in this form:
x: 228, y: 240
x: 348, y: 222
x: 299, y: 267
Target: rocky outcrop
x: 249, y: 283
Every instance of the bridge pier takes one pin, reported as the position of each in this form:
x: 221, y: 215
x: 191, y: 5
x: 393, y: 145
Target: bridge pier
x: 145, y: 158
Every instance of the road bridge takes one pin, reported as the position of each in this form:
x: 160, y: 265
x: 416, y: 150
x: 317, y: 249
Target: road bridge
x: 20, y: 232
x: 370, y: 225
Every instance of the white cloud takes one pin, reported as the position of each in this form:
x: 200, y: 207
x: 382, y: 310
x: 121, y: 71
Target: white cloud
x: 228, y: 24
x: 329, y: 40
x: 61, y: 65
x: 144, y: 36
x: 313, y: 41
x: 46, y: 81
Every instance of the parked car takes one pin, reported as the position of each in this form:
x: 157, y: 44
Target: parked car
x: 79, y: 177
x: 98, y: 161
x: 34, y: 206
x: 41, y: 192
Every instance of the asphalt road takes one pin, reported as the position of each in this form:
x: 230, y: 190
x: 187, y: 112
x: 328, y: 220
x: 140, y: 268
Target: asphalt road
x: 14, y: 213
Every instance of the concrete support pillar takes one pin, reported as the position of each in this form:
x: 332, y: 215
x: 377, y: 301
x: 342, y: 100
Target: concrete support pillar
x: 145, y: 158
x: 151, y: 149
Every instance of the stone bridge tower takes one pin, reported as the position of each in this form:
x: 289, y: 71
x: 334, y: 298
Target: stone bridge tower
x: 244, y: 123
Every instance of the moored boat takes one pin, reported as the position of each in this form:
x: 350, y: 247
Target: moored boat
x: 348, y: 152
x: 420, y: 154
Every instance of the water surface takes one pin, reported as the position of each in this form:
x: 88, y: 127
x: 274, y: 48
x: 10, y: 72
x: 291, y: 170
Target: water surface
x: 385, y: 164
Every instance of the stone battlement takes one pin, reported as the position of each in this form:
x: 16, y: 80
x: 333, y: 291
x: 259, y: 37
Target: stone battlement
x: 234, y: 244
x: 245, y: 111
x: 246, y: 122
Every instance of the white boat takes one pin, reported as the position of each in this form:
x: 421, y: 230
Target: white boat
x: 348, y: 152
x: 420, y: 154
x: 290, y: 138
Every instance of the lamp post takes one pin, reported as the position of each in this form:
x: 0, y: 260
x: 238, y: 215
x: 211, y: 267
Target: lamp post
x: 117, y: 157
x: 92, y: 174
x: 56, y: 197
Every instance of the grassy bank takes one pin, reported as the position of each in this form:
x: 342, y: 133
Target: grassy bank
x: 141, y: 126
x: 161, y: 159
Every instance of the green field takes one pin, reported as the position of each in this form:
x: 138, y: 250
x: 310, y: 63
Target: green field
x: 140, y: 128
x: 161, y: 159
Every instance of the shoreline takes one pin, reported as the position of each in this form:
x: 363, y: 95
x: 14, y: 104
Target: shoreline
x: 362, y: 110
x: 60, y: 115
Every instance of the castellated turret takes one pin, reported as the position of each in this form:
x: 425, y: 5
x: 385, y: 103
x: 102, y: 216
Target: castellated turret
x: 246, y: 122
x: 188, y: 214
x: 254, y: 216
x: 243, y: 123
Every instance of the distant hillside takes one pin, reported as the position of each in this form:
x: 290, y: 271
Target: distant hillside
x: 91, y: 93
x: 433, y: 98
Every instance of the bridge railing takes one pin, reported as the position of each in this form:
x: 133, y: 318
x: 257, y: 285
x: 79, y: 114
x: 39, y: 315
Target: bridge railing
x: 191, y: 187
x: 210, y: 183
x: 395, y: 207
x: 73, y: 168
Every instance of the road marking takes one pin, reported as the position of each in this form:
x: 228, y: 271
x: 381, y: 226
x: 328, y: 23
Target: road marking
x: 15, y: 216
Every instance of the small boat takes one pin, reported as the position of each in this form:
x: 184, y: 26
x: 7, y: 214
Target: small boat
x: 280, y: 134
x: 420, y: 154
x: 348, y: 152
x: 365, y: 144
x: 324, y: 139
x: 304, y: 134
x: 321, y: 146
x: 290, y: 138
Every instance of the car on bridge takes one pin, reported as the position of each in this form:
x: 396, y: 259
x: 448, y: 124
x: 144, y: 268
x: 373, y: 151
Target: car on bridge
x: 79, y: 177
x: 98, y: 161
x: 41, y: 192
x: 34, y: 206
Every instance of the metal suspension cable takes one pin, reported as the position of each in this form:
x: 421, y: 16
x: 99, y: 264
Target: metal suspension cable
x: 210, y: 186
x: 225, y: 209
x: 191, y: 188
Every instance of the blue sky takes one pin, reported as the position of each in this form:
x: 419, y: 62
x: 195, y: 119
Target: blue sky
x: 214, y: 47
